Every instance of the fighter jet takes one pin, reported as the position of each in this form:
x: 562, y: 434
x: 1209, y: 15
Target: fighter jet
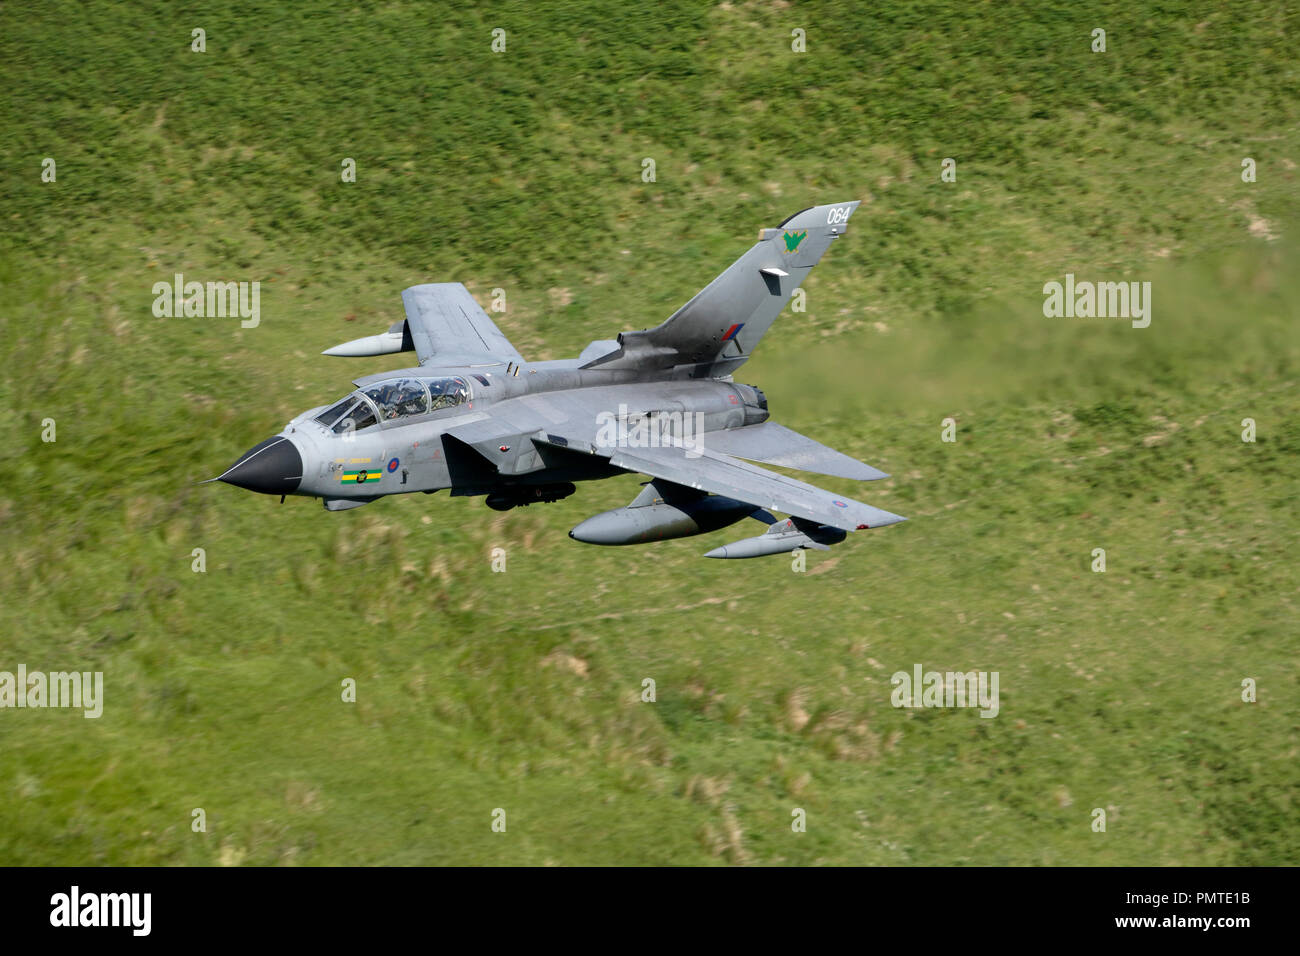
x: 474, y: 417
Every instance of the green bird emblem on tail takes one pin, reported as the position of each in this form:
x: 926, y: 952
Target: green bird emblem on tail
x: 792, y: 240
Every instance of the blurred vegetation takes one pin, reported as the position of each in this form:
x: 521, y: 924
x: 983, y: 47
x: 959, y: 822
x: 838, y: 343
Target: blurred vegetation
x: 522, y: 170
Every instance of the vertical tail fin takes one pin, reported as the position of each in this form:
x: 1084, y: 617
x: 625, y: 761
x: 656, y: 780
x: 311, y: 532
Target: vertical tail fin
x: 720, y: 327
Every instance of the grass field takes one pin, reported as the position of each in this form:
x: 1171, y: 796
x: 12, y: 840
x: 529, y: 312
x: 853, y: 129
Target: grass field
x: 522, y: 170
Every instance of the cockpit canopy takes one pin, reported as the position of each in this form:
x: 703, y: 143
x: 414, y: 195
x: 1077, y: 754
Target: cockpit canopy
x: 394, y: 399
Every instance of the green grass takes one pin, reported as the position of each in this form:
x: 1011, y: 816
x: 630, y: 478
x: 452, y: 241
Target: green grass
x: 522, y: 690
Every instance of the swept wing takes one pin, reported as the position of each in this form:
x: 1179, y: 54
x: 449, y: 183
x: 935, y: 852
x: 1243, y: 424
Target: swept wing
x: 721, y: 474
x: 447, y: 327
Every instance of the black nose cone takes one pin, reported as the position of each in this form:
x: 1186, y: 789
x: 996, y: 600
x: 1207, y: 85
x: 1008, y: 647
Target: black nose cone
x: 273, y: 468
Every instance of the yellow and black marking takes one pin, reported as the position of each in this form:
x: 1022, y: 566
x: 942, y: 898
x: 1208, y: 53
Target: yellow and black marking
x: 362, y: 477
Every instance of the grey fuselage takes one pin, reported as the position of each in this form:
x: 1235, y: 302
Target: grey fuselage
x: 414, y: 453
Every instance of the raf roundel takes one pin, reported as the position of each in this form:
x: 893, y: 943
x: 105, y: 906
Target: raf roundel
x: 392, y: 465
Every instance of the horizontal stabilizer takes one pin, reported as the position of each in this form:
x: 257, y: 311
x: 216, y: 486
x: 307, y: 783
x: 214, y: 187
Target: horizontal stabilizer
x: 774, y: 444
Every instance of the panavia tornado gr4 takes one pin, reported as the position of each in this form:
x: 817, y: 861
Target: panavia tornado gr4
x: 475, y: 417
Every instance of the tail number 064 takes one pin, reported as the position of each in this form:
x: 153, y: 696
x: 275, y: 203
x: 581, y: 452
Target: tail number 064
x: 838, y: 214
